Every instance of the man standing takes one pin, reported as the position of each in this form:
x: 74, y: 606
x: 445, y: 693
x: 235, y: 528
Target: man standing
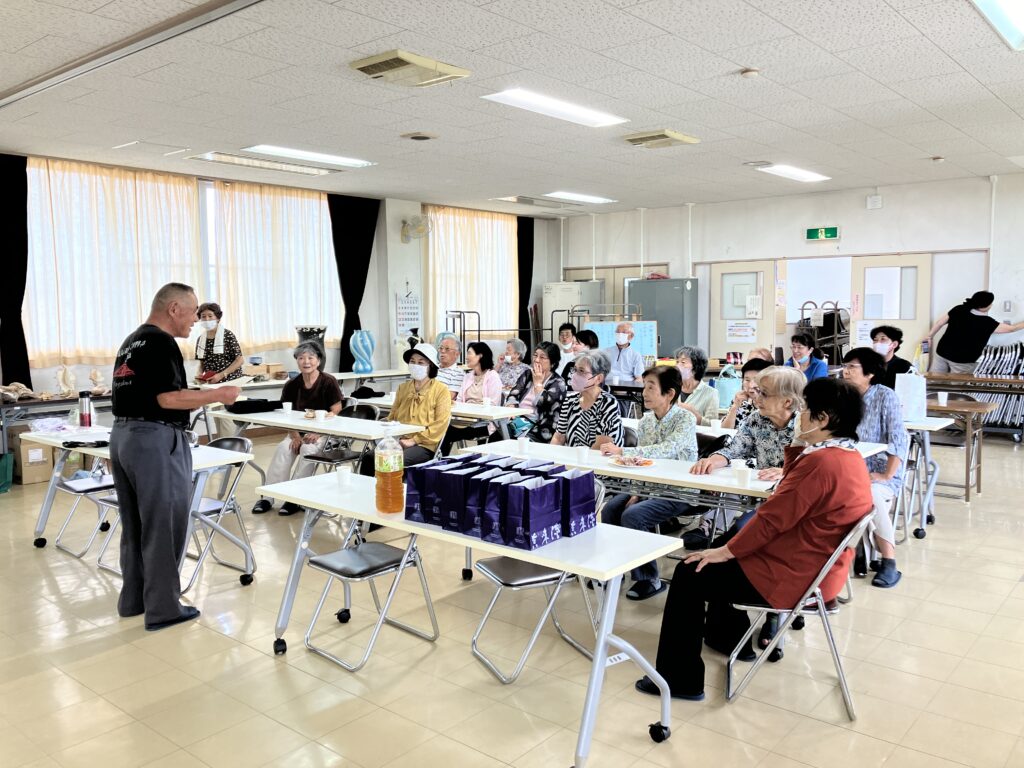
x: 152, y: 459
x: 449, y: 373
x: 627, y: 363
x: 886, y: 340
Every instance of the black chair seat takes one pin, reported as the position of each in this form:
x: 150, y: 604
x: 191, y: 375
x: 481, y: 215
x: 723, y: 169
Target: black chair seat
x: 515, y: 573
x: 368, y: 559
x: 339, y: 456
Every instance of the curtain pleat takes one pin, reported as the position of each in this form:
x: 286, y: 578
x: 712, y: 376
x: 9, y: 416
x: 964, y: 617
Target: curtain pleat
x: 524, y: 260
x: 353, y: 228
x: 14, y: 224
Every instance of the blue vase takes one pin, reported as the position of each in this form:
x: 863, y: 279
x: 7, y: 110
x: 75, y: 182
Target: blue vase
x: 362, y: 346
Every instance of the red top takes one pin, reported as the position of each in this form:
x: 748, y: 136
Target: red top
x: 784, y: 546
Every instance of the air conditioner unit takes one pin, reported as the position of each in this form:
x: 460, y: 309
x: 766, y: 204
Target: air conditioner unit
x: 404, y: 68
x: 660, y: 139
x: 536, y: 201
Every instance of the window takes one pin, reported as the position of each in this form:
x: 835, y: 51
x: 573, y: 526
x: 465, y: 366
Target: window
x: 472, y: 264
x: 890, y: 293
x: 737, y: 287
x: 817, y: 280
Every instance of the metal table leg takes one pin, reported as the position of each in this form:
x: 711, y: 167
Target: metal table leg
x: 968, y: 455
x: 291, y: 586
x: 51, y: 492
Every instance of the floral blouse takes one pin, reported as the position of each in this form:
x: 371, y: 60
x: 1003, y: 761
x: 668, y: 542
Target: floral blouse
x: 759, y: 442
x: 546, y: 405
x: 673, y: 437
x: 215, y: 363
x: 510, y: 373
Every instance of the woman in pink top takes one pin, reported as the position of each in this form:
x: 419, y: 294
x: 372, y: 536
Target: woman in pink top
x: 480, y: 386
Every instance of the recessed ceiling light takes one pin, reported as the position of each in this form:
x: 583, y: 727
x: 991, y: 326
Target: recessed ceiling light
x: 750, y: 72
x: 791, y: 172
x: 264, y: 165
x: 576, y: 197
x: 552, y: 107
x: 309, y: 157
x: 1006, y: 17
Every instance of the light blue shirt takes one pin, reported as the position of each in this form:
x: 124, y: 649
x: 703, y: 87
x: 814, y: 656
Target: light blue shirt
x: 882, y: 422
x: 627, y: 364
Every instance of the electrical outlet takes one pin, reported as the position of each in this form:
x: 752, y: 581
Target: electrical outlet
x: 1007, y: 306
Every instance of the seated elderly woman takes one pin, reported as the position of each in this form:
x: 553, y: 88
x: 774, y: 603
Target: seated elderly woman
x: 423, y: 400
x: 217, y: 350
x: 585, y: 340
x: 761, y: 439
x: 589, y: 416
x: 480, y: 385
x: 864, y: 368
x: 541, y: 390
x: 666, y: 432
x: 310, y: 390
x: 743, y: 402
x: 824, y: 492
x: 697, y: 396
x: 511, y: 366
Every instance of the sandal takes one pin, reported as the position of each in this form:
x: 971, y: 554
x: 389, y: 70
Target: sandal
x: 768, y: 630
x: 644, y: 590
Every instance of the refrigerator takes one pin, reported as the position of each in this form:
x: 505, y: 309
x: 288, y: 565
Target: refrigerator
x: 561, y: 297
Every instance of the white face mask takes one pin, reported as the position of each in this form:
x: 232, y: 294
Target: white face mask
x: 685, y: 373
x: 622, y: 339
x: 567, y: 346
x: 418, y: 372
x: 508, y: 358
x: 208, y: 325
x: 881, y: 348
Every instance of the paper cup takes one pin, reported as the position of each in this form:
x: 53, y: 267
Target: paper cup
x: 716, y: 425
x: 943, y: 397
x: 286, y: 407
x: 344, y: 476
x: 582, y: 454
x: 319, y: 415
x: 743, y: 477
x: 738, y: 464
x: 523, y: 445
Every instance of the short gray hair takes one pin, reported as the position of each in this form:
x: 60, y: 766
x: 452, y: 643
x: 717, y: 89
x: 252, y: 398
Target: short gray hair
x: 599, y: 362
x: 448, y: 335
x: 698, y: 357
x: 789, y: 383
x: 310, y: 348
x: 519, y: 347
x: 169, y: 294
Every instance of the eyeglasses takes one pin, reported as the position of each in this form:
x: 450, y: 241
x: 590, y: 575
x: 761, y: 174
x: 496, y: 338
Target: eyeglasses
x: 758, y: 392
x: 852, y: 366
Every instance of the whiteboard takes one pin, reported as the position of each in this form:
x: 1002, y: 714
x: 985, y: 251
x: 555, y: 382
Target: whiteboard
x: 645, y: 335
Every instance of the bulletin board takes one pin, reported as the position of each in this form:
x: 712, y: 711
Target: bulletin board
x: 645, y: 335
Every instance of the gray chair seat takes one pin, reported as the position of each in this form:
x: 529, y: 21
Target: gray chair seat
x: 366, y: 560
x: 515, y: 573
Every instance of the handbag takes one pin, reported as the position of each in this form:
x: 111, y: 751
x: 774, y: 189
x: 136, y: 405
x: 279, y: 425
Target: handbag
x: 730, y: 381
x: 520, y: 425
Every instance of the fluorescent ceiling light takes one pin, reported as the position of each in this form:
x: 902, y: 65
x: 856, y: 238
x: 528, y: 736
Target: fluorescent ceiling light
x: 562, y: 110
x: 576, y: 197
x: 1006, y: 18
x: 309, y: 157
x: 265, y: 165
x: 126, y: 144
x: 793, y: 173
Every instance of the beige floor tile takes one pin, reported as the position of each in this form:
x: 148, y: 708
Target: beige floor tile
x: 714, y: 749
x: 39, y: 694
x: 376, y: 739
x: 197, y: 715
x: 1016, y: 759
x: 990, y: 678
x: 911, y: 758
x: 116, y: 669
x: 254, y: 741
x: 321, y: 710
x: 269, y: 688
x: 382, y: 681
x: 127, y: 747
x: 503, y: 732
x: 748, y: 720
x: 952, y: 641
x: 778, y: 761
x: 959, y: 741
x: 195, y: 642
x: 979, y: 708
x: 155, y: 694
x: 448, y: 704
x: 877, y: 718
x: 72, y: 725
x: 561, y: 749
x: 443, y: 752
x: 919, y: 661
x: 829, y: 746
x: 311, y: 755
x: 17, y: 749
x: 179, y: 759
x: 893, y: 685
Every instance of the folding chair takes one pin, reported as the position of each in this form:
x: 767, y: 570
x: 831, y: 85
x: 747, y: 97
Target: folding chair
x: 515, y: 575
x: 339, y: 451
x: 810, y: 603
x: 89, y: 488
x: 368, y: 561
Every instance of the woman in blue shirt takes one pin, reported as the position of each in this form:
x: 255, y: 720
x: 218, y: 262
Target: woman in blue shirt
x: 804, y: 358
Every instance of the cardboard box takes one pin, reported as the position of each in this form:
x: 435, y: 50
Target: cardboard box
x: 254, y: 370
x: 33, y: 463
x: 75, y: 462
x: 273, y: 368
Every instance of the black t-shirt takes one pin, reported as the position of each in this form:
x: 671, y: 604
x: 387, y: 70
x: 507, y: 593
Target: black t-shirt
x: 148, y: 364
x: 324, y: 393
x: 966, y: 335
x: 893, y: 368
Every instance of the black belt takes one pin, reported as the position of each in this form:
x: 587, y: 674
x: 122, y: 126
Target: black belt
x: 126, y: 419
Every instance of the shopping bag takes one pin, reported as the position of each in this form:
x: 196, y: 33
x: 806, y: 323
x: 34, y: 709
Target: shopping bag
x: 452, y: 485
x: 579, y: 501
x: 6, y: 471
x: 912, y: 391
x: 419, y: 489
x: 492, y: 514
x: 541, y: 470
x: 476, y: 497
x: 533, y: 517
x: 730, y: 381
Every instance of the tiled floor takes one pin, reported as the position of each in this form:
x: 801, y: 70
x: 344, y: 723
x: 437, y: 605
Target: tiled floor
x: 936, y: 665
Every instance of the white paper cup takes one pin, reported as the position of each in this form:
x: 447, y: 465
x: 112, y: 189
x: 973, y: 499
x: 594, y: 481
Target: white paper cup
x: 615, y: 381
x: 716, y: 425
x: 743, y: 476
x: 344, y: 475
x: 488, y: 402
x: 319, y: 415
x: 738, y: 464
x: 523, y: 445
x: 943, y: 397
x: 582, y: 454
x: 286, y: 407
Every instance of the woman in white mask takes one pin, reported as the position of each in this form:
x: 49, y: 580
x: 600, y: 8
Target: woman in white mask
x: 697, y: 396
x: 511, y: 366
x: 217, y: 349
x: 589, y: 416
x: 423, y: 400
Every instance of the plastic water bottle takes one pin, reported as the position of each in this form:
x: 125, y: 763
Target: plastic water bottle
x: 389, y: 461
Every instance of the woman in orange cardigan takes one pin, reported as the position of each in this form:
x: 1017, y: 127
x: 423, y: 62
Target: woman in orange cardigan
x: 824, y: 492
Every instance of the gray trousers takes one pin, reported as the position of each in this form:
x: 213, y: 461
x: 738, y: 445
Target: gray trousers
x: 942, y: 365
x: 152, y: 466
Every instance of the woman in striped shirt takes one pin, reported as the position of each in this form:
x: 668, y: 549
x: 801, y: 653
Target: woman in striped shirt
x: 589, y: 417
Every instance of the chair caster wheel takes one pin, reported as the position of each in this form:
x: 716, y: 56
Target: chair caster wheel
x: 39, y: 543
x: 931, y: 519
x: 798, y: 623
x: 245, y: 579
x: 659, y: 732
x: 104, y: 526
x: 344, y: 615
x: 280, y: 646
x: 920, y: 533
x: 467, y: 574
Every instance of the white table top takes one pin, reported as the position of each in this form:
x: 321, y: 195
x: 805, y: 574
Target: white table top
x: 701, y: 428
x: 600, y: 553
x: 928, y: 424
x: 390, y: 373
x: 460, y: 410
x: 203, y: 457
x: 338, y: 426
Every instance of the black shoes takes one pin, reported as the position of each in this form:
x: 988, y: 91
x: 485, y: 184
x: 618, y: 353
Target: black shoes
x: 187, y: 614
x: 262, y: 506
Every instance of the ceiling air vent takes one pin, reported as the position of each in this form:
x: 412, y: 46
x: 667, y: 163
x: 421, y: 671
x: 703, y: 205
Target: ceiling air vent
x: 660, y: 139
x: 227, y: 158
x: 404, y: 68
x: 551, y: 205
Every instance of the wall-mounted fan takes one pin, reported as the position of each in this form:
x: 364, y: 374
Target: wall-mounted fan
x: 415, y: 228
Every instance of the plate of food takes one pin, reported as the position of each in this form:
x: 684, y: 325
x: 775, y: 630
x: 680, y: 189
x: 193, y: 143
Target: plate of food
x: 632, y: 462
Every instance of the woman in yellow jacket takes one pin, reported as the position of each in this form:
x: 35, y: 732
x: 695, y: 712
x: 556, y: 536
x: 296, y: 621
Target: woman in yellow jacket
x: 422, y: 400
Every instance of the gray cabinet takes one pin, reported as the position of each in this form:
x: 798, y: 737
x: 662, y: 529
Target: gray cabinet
x: 673, y: 305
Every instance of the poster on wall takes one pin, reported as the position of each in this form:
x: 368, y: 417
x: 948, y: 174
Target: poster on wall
x: 741, y: 331
x: 753, y: 307
x: 862, y: 333
x: 407, y: 309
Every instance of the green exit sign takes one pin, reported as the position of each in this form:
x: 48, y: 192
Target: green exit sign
x: 823, y: 233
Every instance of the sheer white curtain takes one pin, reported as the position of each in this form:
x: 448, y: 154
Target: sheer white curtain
x: 101, y: 242
x: 472, y: 264
x: 271, y: 263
